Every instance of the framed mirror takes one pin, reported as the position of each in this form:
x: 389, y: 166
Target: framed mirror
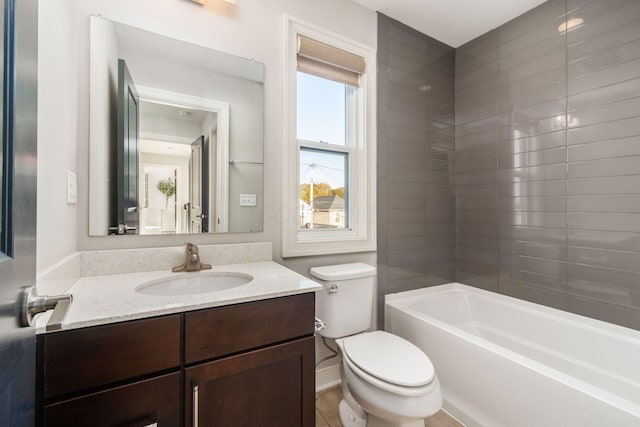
x: 176, y: 136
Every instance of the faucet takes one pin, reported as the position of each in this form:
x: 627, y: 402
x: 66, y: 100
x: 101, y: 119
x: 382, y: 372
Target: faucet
x: 192, y: 261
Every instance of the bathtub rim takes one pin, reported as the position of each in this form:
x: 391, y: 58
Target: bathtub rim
x: 401, y: 300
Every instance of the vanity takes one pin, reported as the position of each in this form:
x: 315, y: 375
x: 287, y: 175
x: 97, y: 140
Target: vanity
x: 239, y: 356
x: 168, y: 157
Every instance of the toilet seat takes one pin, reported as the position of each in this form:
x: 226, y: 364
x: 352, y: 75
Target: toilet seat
x: 389, y: 362
x: 383, y: 385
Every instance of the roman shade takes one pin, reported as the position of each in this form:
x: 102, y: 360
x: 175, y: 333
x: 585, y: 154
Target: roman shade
x: 329, y: 62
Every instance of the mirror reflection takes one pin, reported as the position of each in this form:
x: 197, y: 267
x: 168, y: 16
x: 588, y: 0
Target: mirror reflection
x: 176, y: 136
x: 174, y: 167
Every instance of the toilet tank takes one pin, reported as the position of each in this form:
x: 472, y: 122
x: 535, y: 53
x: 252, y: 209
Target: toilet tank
x: 345, y: 303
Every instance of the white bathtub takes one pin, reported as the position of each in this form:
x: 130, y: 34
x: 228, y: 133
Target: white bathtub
x: 506, y: 362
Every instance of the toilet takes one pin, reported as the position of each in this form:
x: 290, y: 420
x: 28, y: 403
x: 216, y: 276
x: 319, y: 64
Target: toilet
x: 386, y: 380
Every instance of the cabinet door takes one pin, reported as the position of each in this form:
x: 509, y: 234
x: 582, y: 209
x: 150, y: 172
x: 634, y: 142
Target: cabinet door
x: 274, y: 386
x: 154, y: 402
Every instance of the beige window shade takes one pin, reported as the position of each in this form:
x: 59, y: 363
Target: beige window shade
x: 329, y: 62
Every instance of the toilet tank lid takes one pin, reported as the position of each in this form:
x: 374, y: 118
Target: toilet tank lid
x: 356, y: 270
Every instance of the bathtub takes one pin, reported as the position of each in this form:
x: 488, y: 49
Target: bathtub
x: 506, y: 362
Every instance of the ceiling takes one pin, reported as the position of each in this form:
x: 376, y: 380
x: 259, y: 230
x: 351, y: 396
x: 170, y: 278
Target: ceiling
x: 168, y: 111
x: 453, y: 22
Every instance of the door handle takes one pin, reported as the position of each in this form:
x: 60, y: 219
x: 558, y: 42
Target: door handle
x: 122, y: 229
x: 195, y: 406
x: 31, y: 304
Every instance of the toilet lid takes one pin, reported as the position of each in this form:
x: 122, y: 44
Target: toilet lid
x: 389, y: 358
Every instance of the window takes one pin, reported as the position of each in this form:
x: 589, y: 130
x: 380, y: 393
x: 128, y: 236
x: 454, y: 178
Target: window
x: 329, y: 182
x: 323, y: 186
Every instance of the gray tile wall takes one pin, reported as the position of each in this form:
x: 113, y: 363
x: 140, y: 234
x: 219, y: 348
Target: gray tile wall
x: 548, y: 159
x: 416, y: 193
x: 476, y: 74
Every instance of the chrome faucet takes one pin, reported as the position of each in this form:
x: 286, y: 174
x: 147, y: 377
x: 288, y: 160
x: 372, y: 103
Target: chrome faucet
x: 192, y: 261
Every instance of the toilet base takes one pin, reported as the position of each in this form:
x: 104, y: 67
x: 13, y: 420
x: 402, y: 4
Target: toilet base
x: 351, y: 417
x: 373, y: 421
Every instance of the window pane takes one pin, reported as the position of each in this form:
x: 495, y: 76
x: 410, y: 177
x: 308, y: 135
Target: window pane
x: 323, y: 189
x: 321, y: 109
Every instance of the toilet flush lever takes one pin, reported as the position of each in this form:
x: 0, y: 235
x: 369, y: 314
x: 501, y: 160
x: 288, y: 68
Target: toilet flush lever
x: 333, y: 289
x: 320, y: 325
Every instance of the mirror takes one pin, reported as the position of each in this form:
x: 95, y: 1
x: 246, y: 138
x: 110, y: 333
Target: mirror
x: 176, y: 136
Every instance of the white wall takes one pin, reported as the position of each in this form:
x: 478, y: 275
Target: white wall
x: 252, y: 29
x: 58, y: 136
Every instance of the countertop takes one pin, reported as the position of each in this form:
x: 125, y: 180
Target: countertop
x: 100, y: 300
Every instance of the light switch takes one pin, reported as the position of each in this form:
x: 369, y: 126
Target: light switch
x: 72, y: 188
x: 248, y: 200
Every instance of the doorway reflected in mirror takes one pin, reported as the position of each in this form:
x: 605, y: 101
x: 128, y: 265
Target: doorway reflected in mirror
x: 187, y: 108
x: 176, y: 165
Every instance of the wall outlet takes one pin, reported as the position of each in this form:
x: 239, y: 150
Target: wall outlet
x: 248, y: 200
x: 72, y: 188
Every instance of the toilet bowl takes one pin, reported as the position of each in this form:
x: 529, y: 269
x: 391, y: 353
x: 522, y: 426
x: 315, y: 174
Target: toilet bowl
x: 386, y: 380
x: 391, y: 381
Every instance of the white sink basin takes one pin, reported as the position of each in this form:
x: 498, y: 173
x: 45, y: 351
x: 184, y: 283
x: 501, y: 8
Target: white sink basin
x: 194, y: 283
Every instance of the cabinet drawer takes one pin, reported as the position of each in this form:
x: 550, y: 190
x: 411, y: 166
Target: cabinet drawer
x: 88, y: 358
x: 135, y: 405
x: 226, y: 330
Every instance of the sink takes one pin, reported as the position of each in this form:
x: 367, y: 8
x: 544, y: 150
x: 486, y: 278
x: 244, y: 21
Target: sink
x: 194, y: 283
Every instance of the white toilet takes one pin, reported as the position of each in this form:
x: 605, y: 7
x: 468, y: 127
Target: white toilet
x: 386, y: 380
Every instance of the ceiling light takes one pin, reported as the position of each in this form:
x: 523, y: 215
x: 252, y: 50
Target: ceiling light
x: 570, y: 24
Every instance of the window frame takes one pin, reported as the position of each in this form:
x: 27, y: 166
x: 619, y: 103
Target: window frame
x: 361, y: 175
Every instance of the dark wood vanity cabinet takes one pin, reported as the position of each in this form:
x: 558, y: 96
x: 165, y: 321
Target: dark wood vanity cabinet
x: 272, y: 386
x: 249, y: 364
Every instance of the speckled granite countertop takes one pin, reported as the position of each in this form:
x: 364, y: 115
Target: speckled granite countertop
x: 100, y: 300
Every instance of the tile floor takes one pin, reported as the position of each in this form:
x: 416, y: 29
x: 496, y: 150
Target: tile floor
x: 327, y: 412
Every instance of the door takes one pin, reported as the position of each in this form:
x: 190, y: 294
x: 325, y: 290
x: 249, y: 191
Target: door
x: 205, y: 185
x: 199, y: 186
x: 18, y: 193
x: 125, y: 219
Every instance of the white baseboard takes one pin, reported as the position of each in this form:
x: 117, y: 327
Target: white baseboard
x: 327, y: 377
